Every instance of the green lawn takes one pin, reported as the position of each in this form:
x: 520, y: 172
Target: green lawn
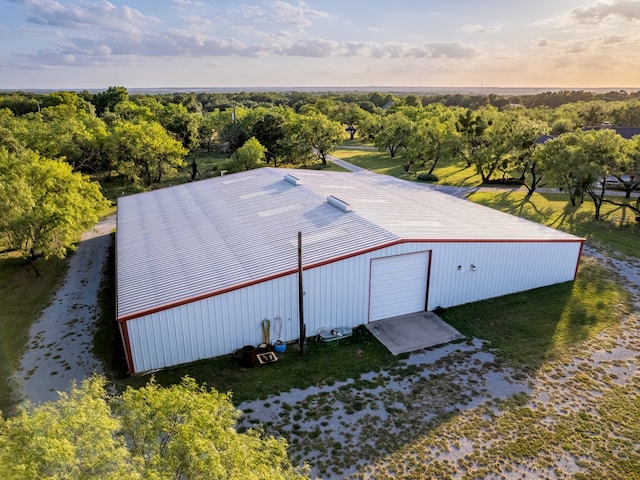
x: 322, y: 363
x: 450, y: 172
x: 616, y: 231
x: 540, y: 325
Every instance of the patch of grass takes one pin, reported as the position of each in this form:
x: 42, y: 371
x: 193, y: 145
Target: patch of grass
x: 321, y: 363
x: 374, y: 161
x: 617, y: 230
x: 23, y: 295
x: 107, y: 345
x: 449, y: 171
x: 541, y: 324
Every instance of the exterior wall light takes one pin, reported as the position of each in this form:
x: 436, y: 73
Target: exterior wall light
x: 473, y: 267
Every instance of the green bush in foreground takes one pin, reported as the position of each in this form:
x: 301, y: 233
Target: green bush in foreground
x: 183, y: 431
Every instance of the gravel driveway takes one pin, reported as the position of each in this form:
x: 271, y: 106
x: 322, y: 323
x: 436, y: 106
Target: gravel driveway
x: 60, y: 342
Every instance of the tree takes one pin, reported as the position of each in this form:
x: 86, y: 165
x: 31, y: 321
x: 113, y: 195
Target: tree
x: 629, y: 175
x: 349, y: 114
x: 582, y: 161
x: 471, y: 128
x: 508, y: 140
x: 44, y: 205
x: 64, y: 131
x: 321, y: 133
x: 250, y: 155
x: 144, y: 151
x: 270, y: 132
x: 395, y: 130
x: 108, y: 99
x: 433, y: 137
x: 180, y: 432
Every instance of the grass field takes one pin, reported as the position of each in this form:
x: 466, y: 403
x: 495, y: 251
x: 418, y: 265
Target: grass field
x: 616, y: 231
x: 450, y: 172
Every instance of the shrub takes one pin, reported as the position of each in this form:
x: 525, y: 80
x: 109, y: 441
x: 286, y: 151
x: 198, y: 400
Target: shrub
x: 427, y: 177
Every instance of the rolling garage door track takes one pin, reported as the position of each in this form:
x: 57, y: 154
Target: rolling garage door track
x: 414, y: 331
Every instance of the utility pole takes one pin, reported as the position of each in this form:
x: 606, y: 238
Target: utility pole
x: 301, y: 296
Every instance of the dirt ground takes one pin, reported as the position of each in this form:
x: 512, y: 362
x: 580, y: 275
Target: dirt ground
x: 60, y: 342
x: 458, y: 412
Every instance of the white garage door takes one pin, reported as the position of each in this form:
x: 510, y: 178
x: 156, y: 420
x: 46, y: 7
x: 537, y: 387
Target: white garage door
x: 398, y: 285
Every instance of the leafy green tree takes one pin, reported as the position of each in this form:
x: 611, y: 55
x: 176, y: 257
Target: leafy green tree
x: 270, y: 131
x: 75, y: 437
x: 395, y: 130
x: 433, y: 137
x: 249, y: 156
x: 44, y: 205
x: 508, y: 141
x: 297, y: 148
x: 180, y: 432
x: 144, y: 151
x: 471, y: 127
x: 321, y: 133
x: 630, y: 168
x: 134, y: 112
x: 54, y: 99
x: 349, y: 114
x: 108, y: 99
x: 581, y: 162
x: 66, y: 132
x: 9, y: 131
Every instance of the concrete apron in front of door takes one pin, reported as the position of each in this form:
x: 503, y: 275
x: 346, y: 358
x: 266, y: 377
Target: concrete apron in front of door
x: 414, y: 331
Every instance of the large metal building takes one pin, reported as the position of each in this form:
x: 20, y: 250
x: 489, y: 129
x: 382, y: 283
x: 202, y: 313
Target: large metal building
x: 200, y: 265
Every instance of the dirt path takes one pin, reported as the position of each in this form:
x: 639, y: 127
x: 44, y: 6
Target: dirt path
x: 60, y: 342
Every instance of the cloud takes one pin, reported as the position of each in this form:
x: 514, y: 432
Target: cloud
x: 102, y: 34
x: 182, y: 4
x: 543, y: 43
x: 101, y: 14
x: 299, y: 16
x: 613, y: 39
x: 329, y: 48
x: 480, y: 28
x: 627, y: 10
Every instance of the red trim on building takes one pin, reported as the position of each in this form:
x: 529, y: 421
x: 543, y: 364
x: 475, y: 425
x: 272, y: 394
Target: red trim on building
x: 124, y: 333
x: 426, y: 298
x: 579, y: 257
x: 292, y: 271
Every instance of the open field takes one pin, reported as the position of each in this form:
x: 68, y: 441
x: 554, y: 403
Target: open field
x: 450, y: 172
x: 616, y: 231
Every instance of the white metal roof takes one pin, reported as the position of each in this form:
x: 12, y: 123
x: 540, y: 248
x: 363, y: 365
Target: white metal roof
x: 191, y: 240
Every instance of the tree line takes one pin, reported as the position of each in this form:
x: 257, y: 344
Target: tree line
x: 50, y: 142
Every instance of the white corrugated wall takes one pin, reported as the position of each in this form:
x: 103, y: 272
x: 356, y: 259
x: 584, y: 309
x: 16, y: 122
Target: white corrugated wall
x: 337, y: 294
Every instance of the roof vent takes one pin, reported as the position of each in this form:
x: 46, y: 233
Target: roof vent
x: 341, y: 204
x: 291, y: 179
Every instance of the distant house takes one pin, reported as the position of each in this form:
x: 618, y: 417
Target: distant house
x: 623, y: 131
x: 542, y: 139
x: 200, y: 265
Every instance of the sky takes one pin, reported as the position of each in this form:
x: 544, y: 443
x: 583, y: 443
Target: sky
x: 94, y: 44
